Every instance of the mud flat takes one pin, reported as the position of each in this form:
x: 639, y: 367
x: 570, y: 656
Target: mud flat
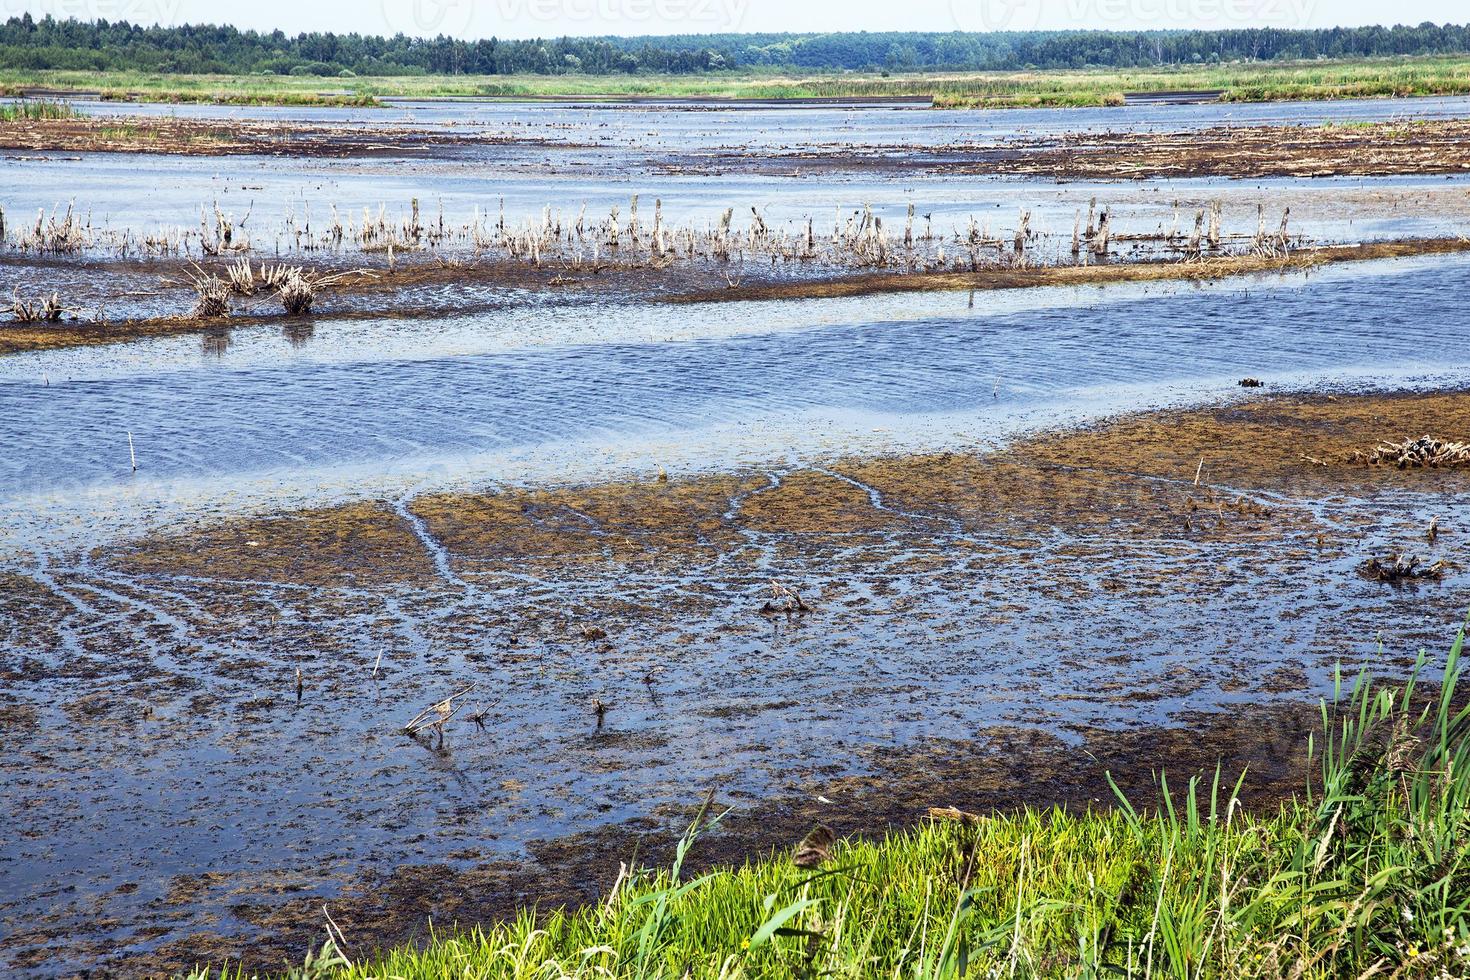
x: 206, y: 727
x: 234, y: 137
x: 1409, y: 147
x: 1399, y: 147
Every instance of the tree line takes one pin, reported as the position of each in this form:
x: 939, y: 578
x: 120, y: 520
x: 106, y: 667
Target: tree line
x: 27, y: 43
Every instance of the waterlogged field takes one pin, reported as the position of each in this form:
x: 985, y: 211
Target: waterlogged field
x: 424, y: 530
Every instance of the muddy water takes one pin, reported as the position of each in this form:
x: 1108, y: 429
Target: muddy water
x: 314, y: 500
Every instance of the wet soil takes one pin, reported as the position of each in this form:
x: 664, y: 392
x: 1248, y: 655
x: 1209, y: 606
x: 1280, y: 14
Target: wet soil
x: 208, y: 720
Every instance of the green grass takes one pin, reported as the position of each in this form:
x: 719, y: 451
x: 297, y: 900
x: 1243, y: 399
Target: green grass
x: 1364, y: 874
x: 38, y: 109
x: 1257, y: 81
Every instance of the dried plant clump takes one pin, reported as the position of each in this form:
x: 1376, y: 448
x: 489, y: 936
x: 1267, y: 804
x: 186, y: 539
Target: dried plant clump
x: 297, y: 294
x: 1426, y: 451
x: 1401, y: 568
x: 213, y: 293
x: 46, y: 310
x: 786, y: 600
x: 64, y: 235
x: 241, y: 278
x: 297, y: 289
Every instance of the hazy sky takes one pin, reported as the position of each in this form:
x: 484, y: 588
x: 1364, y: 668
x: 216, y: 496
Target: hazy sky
x: 531, y: 18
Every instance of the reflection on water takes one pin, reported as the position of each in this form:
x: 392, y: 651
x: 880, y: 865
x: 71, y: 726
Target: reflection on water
x: 298, y: 332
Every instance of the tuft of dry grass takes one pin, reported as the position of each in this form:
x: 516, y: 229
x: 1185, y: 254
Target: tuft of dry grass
x: 1426, y: 451
x: 213, y: 294
x: 45, y: 310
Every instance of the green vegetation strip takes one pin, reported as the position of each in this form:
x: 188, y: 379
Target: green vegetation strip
x: 1364, y: 874
x: 1246, y: 82
x: 30, y: 109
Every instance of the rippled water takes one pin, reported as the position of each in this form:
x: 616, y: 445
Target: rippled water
x: 563, y: 391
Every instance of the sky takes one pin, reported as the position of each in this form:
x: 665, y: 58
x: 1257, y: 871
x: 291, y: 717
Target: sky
x: 552, y: 18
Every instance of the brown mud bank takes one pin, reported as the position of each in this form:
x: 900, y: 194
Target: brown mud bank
x: 1199, y: 269
x: 1188, y: 473
x: 1433, y: 146
x: 1417, y: 147
x: 238, y: 136
x: 407, y: 290
x: 1366, y: 149
x: 220, y: 708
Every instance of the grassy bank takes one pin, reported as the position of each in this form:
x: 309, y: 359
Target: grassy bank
x: 1361, y: 78
x: 1365, y: 874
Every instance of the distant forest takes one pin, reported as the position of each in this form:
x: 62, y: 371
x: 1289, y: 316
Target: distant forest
x: 26, y: 43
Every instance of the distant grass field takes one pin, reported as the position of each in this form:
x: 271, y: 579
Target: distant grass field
x: 1367, y: 874
x: 1254, y: 82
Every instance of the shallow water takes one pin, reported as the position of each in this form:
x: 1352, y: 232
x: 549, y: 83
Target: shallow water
x: 556, y: 390
x: 687, y: 126
x: 699, y: 162
x: 160, y: 732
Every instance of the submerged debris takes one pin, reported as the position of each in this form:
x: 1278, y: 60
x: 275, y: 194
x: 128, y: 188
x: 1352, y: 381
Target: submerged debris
x: 434, y: 717
x: 787, y: 600
x: 1401, y: 568
x: 1426, y: 451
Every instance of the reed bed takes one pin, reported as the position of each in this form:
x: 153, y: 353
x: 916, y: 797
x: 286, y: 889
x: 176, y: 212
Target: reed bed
x: 567, y: 238
x: 31, y: 110
x: 1363, y: 874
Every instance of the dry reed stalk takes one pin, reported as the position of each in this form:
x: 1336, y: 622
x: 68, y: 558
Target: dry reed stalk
x: 46, y: 310
x: 1426, y: 451
x: 212, y: 291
